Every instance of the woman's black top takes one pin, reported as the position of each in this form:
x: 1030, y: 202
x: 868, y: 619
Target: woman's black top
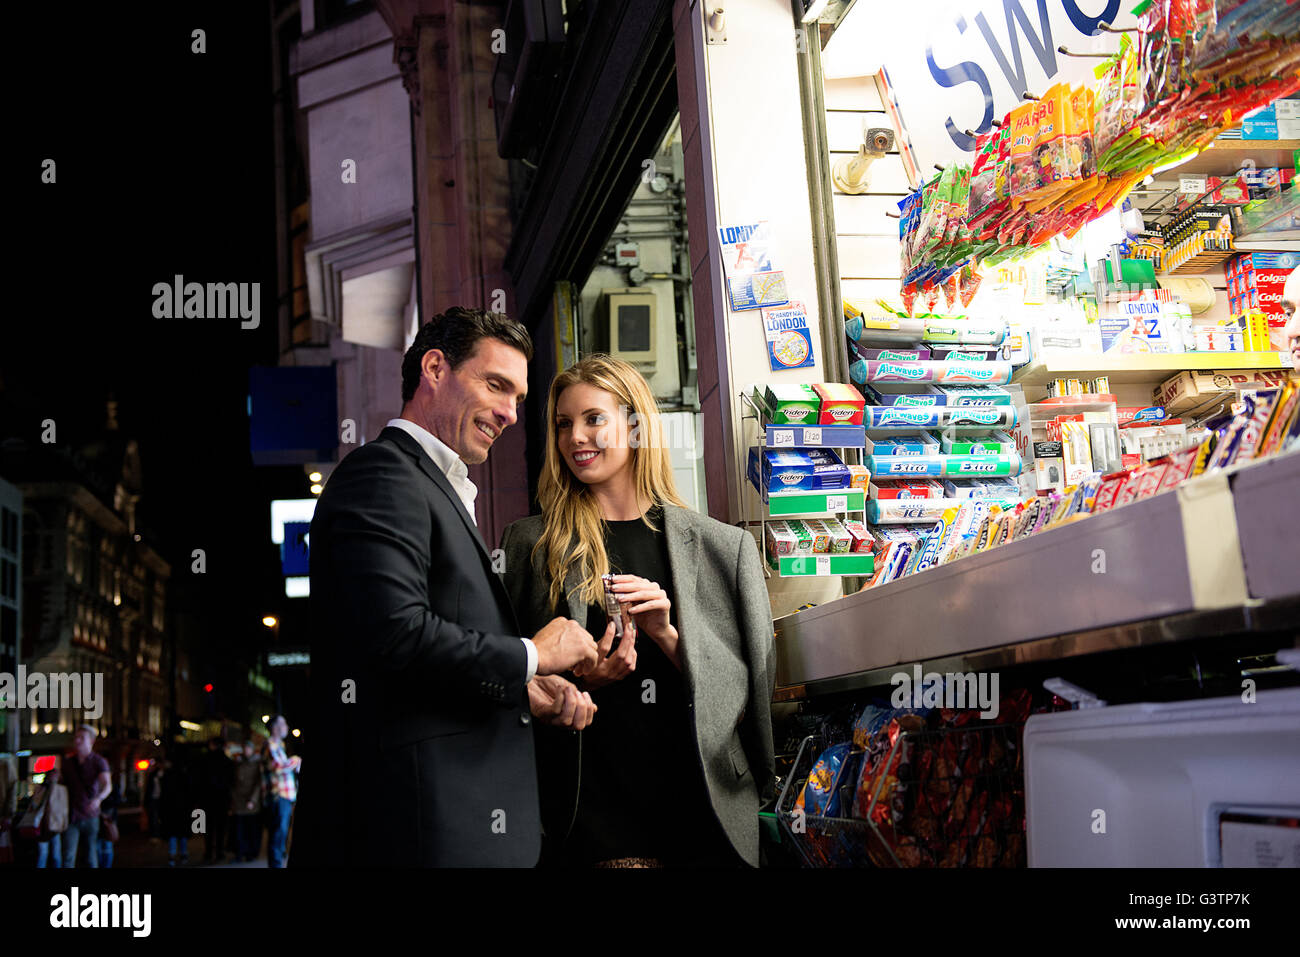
x: 642, y: 792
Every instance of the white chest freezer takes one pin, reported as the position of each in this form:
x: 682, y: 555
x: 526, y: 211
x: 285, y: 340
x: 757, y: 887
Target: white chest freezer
x: 1208, y: 783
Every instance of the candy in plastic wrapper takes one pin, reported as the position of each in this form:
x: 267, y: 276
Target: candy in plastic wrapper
x: 1252, y: 436
x: 820, y: 795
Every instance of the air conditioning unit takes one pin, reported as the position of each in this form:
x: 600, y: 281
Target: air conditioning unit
x: 632, y: 325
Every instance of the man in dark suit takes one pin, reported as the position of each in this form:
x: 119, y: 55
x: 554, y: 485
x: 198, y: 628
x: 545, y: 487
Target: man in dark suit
x: 420, y: 749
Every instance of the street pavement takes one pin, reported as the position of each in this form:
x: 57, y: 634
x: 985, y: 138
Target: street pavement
x: 136, y: 848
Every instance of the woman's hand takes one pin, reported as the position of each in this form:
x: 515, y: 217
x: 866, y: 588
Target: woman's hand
x: 648, y: 605
x: 617, y: 666
x: 556, y: 701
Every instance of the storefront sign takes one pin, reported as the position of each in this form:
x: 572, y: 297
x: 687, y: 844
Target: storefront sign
x: 968, y: 62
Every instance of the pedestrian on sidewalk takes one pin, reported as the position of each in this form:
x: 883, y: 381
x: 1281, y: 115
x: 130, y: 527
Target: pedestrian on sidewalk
x: 217, y: 777
x: 283, y: 789
x: 246, y: 801
x: 49, y: 806
x: 89, y: 782
x: 174, y: 809
x: 153, y: 799
x: 108, y: 832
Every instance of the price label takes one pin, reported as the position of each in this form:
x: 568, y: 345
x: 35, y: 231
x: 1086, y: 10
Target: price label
x: 1191, y: 184
x: 837, y: 503
x: 823, y: 564
x: 783, y: 438
x: 812, y: 436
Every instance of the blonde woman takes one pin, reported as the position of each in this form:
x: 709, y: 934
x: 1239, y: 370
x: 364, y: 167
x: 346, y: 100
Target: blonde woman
x: 661, y: 755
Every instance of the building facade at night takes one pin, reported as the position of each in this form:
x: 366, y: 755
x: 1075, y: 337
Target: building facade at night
x: 95, y: 594
x: 11, y: 600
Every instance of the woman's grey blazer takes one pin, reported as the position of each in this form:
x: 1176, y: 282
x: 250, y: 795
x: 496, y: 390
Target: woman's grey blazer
x: 724, y: 620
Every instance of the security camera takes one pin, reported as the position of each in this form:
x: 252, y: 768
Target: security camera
x: 879, y: 140
x: 851, y: 174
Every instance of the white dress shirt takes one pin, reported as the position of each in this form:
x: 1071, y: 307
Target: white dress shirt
x: 450, y: 465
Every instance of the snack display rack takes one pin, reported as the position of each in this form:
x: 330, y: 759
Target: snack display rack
x: 1134, y: 513
x: 1179, y: 556
x: 776, y: 505
x: 1127, y: 369
x: 948, y: 797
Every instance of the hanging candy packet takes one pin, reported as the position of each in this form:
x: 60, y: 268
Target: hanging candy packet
x: 969, y: 283
x: 957, y: 203
x: 909, y: 209
x: 1022, y: 170
x: 929, y: 293
x: 1083, y: 155
x: 983, y: 184
x: 927, y: 223
x: 934, y: 222
x: 1120, y: 102
x: 1050, y: 147
x: 950, y: 289
x: 909, y: 294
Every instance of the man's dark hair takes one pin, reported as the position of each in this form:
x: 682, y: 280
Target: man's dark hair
x: 456, y: 333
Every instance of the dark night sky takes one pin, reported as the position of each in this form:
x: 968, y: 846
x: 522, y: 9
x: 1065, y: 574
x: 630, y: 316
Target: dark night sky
x: 165, y: 166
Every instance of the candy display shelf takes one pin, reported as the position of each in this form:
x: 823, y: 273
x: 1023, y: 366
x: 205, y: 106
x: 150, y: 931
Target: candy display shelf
x: 1225, y: 157
x: 814, y: 436
x: 1268, y: 524
x: 830, y: 503
x: 1139, y: 368
x: 815, y: 503
x: 1208, y: 552
x: 851, y: 564
x: 1283, y: 241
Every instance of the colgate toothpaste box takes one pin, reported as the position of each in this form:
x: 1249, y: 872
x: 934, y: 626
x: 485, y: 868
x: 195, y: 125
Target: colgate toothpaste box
x: 1264, y: 260
x: 1266, y: 292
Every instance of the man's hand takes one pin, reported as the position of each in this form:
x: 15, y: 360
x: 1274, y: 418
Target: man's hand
x: 555, y: 701
x: 618, y: 665
x: 564, y: 645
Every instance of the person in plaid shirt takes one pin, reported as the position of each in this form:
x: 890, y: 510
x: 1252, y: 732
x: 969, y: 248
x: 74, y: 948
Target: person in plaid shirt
x: 281, y: 789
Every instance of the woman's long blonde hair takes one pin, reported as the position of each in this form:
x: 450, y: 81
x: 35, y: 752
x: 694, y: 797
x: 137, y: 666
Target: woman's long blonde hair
x: 573, y: 529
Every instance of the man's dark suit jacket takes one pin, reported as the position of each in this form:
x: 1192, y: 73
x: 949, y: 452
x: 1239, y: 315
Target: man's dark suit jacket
x: 432, y: 765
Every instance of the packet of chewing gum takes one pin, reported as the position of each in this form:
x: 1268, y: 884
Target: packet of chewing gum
x: 613, y: 609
